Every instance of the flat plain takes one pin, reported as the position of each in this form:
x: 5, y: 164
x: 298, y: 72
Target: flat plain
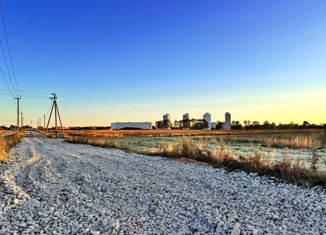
x: 49, y: 186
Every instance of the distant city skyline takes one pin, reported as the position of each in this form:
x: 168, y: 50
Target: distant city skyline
x: 116, y: 61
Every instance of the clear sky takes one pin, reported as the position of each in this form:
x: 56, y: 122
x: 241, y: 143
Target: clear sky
x: 137, y: 60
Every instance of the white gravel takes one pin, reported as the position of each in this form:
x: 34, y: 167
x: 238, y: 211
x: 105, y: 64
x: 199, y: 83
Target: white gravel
x: 52, y: 187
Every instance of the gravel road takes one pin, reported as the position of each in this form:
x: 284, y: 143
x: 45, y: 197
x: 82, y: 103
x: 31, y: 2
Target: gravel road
x: 53, y: 187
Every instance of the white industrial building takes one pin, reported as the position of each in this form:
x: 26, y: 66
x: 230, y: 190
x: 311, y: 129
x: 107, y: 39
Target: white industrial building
x: 131, y: 125
x: 207, y: 117
x: 214, y: 125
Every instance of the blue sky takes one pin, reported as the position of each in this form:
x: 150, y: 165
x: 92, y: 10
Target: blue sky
x: 136, y: 60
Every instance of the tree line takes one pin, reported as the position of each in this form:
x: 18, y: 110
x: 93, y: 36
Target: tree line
x: 255, y: 125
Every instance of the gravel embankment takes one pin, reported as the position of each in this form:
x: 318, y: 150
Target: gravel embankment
x: 53, y: 187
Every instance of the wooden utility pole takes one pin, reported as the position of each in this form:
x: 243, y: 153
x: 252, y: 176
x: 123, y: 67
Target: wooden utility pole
x: 43, y: 122
x: 21, y: 120
x: 17, y: 100
x: 56, y: 116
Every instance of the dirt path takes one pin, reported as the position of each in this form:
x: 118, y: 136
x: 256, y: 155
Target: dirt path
x: 50, y: 186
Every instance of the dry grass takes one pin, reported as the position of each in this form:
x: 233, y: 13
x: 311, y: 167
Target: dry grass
x: 254, y: 163
x: 315, y: 138
x: 121, y: 133
x: 305, y: 138
x: 7, y: 142
x: 92, y: 140
x: 286, y: 170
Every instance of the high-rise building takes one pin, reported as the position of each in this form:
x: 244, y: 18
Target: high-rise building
x: 227, y: 123
x: 207, y: 118
x: 186, y: 121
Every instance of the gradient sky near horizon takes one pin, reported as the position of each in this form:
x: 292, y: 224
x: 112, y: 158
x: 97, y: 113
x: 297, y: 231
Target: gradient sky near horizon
x: 137, y: 60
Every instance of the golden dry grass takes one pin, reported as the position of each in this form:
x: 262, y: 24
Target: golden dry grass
x: 3, y: 132
x: 300, y: 138
x: 7, y: 142
x: 118, y: 133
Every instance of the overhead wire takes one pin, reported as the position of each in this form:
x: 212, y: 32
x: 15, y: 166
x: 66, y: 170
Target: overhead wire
x: 36, y: 96
x: 30, y: 92
x: 35, y: 92
x: 11, y: 82
x: 6, y: 82
x: 5, y: 94
x: 9, y: 50
x: 8, y: 70
x: 28, y: 96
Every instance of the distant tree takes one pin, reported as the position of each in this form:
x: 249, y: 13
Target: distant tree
x: 219, y: 125
x: 256, y: 125
x: 233, y: 123
x: 236, y: 125
x: 199, y: 124
x: 159, y: 125
x: 293, y: 125
x: 267, y: 125
x: 247, y: 123
x: 4, y: 127
x: 306, y: 124
x: 177, y: 124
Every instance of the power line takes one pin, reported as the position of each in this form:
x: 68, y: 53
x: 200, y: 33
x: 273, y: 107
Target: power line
x: 27, y: 96
x: 8, y: 46
x: 8, y: 70
x: 6, y: 82
x: 6, y: 94
x: 35, y: 96
x: 37, y: 93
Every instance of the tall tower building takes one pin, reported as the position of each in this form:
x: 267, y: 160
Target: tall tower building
x: 227, y: 123
x: 186, y: 121
x: 207, y: 117
x: 167, y: 122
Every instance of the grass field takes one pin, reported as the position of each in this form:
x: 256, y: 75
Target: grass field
x: 272, y: 148
x: 306, y: 138
x: 300, y: 152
